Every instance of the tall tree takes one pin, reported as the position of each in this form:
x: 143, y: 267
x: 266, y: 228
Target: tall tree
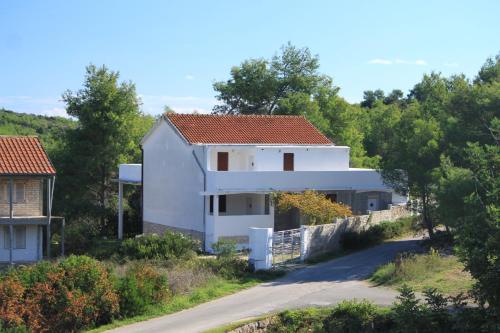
x: 110, y: 126
x: 259, y: 86
x: 415, y: 150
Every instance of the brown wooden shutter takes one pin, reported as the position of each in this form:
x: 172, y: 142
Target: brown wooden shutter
x: 288, y: 161
x: 222, y: 161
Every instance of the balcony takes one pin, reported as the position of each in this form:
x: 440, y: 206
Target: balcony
x: 270, y: 181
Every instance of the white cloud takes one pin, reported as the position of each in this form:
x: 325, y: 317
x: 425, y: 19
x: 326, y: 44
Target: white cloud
x: 55, y: 112
x: 189, y: 77
x: 48, y: 106
x: 380, y: 62
x: 451, y: 64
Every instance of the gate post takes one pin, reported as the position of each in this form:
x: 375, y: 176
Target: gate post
x: 260, y: 244
x: 304, y: 242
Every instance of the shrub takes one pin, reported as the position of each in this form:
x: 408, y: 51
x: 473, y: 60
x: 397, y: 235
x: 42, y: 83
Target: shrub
x: 224, y: 248
x: 73, y: 294
x: 229, y: 268
x: 351, y: 316
x: 142, y: 286
x: 299, y: 321
x: 169, y: 245
x: 314, y: 205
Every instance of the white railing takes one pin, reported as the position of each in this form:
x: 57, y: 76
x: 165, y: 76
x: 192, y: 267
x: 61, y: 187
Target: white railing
x: 352, y: 179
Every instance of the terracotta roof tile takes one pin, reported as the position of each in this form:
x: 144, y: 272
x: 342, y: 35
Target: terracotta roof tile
x: 24, y: 155
x: 247, y: 129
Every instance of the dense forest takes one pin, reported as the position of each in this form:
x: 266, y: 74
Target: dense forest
x: 439, y: 142
x: 49, y: 129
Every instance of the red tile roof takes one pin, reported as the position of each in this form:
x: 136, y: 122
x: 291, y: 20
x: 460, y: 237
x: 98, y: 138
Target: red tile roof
x: 23, y: 155
x: 247, y: 129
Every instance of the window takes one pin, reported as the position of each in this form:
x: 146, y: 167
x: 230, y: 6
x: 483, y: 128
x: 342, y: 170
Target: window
x: 19, y: 192
x: 222, y: 204
x: 3, y: 192
x: 222, y: 161
x: 332, y: 197
x: 288, y: 162
x: 19, y: 237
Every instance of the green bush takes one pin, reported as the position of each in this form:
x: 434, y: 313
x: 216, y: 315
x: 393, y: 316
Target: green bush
x: 70, y: 295
x: 225, y: 248
x: 168, y: 246
x: 351, y: 316
x: 227, y: 267
x: 299, y: 321
x: 141, y: 287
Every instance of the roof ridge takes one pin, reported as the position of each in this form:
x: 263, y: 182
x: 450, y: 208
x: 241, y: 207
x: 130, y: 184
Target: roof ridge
x: 19, y: 136
x: 235, y: 115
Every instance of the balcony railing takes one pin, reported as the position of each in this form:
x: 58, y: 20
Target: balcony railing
x: 269, y: 181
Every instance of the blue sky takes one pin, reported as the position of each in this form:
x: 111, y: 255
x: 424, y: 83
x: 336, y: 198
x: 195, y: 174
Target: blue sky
x: 174, y: 50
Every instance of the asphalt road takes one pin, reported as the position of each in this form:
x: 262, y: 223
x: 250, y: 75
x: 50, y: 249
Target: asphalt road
x: 319, y: 285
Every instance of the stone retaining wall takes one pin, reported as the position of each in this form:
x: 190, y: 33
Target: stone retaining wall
x: 325, y: 238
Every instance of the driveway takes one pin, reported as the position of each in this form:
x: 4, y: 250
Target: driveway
x: 323, y: 284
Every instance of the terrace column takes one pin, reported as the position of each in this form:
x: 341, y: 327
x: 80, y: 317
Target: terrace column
x: 120, y: 210
x: 216, y: 206
x: 49, y: 206
x: 11, y: 219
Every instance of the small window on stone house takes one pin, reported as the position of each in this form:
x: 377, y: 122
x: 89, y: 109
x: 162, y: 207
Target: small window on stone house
x: 3, y: 191
x: 19, y: 192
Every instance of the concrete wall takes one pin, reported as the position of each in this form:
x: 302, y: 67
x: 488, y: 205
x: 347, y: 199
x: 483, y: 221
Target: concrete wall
x: 270, y: 158
x: 326, y: 237
x: 305, y: 158
x: 33, y: 203
x: 33, y: 250
x: 172, y: 181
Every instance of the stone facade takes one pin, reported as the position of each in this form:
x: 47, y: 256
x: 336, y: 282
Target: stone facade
x: 30, y: 205
x: 324, y: 238
x: 160, y: 229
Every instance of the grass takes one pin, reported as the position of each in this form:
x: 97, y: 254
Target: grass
x: 422, y: 271
x: 215, y: 288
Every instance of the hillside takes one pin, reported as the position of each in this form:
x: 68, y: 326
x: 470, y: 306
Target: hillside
x: 48, y: 129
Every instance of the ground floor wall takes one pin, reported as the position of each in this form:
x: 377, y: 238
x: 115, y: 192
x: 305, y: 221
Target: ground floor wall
x: 29, y: 250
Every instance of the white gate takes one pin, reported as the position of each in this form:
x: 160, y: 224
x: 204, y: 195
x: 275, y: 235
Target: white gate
x: 286, y: 247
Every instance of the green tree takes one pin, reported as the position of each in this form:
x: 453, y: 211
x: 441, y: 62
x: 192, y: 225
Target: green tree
x: 109, y: 131
x: 259, y: 86
x: 415, y: 150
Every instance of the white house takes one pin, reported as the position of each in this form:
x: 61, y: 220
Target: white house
x: 26, y: 190
x: 211, y: 175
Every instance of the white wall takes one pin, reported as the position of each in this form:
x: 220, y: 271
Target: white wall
x: 172, y: 180
x: 305, y: 158
x: 239, y: 158
x: 270, y: 158
x: 30, y: 253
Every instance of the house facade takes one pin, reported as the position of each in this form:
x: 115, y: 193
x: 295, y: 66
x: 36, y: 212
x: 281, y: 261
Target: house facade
x: 26, y: 183
x: 211, y: 176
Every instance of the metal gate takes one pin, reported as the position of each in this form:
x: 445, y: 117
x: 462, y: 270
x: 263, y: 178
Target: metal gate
x: 286, y: 247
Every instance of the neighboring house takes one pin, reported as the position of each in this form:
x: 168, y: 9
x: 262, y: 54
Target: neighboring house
x: 211, y: 176
x: 26, y: 174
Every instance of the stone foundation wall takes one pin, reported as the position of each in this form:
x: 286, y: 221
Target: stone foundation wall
x: 325, y: 238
